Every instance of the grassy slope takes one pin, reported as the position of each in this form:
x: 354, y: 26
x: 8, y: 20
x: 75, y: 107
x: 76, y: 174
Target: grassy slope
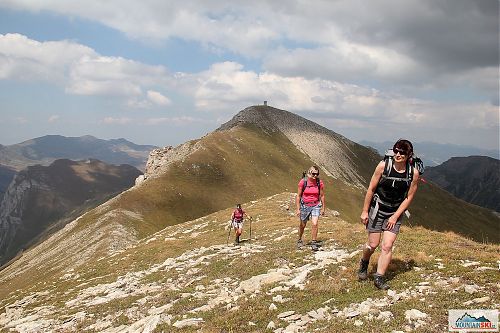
x: 244, y: 164
x: 417, y: 254
x: 234, y: 166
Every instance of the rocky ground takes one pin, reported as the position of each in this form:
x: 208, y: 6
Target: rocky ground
x: 190, y: 278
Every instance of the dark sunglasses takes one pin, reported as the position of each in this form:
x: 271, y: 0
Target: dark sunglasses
x: 400, y: 151
x: 314, y: 173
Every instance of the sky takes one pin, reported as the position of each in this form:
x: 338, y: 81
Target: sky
x: 163, y: 72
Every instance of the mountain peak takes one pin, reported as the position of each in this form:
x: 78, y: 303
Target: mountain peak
x: 272, y: 119
x: 332, y: 152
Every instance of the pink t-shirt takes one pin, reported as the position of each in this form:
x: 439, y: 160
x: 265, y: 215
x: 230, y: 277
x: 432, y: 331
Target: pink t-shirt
x: 310, y: 195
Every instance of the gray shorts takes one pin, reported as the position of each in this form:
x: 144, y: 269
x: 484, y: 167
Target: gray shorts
x: 307, y: 211
x: 379, y: 223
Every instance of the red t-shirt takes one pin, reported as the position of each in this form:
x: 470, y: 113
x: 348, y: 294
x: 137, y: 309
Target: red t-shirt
x: 238, y: 214
x: 310, y: 196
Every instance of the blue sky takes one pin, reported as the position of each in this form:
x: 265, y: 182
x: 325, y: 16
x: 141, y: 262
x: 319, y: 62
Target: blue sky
x: 163, y: 72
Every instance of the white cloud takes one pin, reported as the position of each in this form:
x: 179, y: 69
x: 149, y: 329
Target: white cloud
x: 25, y: 59
x: 80, y: 70
x: 226, y: 86
x: 157, y: 98
x: 54, y: 118
x: 116, y: 121
x: 180, y: 121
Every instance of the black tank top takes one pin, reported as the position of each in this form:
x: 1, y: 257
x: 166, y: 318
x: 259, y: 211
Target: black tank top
x: 393, y: 191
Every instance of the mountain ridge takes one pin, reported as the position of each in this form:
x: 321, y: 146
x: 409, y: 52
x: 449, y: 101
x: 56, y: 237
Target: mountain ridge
x: 475, y: 179
x: 40, y: 196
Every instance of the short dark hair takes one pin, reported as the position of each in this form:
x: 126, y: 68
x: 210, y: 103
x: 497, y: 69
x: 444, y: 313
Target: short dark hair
x: 404, y: 145
x: 238, y: 206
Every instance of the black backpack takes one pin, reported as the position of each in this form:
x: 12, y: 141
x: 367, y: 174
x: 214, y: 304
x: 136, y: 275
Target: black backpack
x: 412, y: 163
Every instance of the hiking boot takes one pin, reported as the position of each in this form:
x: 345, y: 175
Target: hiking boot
x: 237, y: 241
x: 315, y: 245
x: 299, y: 244
x: 379, y: 281
x: 363, y: 270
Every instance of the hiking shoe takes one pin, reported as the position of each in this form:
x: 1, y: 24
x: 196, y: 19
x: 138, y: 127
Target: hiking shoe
x: 299, y: 244
x: 314, y: 245
x: 379, y: 282
x: 363, y: 270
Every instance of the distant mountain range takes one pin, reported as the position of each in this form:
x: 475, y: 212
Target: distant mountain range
x: 475, y: 179
x: 46, y: 149
x: 40, y: 196
x: 436, y: 153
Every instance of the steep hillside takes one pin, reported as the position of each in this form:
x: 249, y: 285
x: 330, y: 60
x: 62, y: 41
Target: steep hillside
x: 186, y: 279
x: 46, y: 149
x: 40, y: 196
x: 6, y: 176
x: 338, y: 156
x: 475, y: 179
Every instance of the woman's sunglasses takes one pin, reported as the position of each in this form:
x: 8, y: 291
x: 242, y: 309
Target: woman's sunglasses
x: 400, y: 151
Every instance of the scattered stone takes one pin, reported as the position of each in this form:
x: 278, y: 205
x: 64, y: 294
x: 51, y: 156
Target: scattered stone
x: 271, y: 325
x: 471, y: 288
x: 188, y: 322
x: 414, y: 314
x: 272, y: 307
x: 477, y: 300
x: 385, y: 316
x: 285, y: 314
x: 352, y: 314
x: 358, y: 323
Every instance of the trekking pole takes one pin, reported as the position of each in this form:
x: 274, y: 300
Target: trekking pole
x: 229, y: 233
x: 251, y: 228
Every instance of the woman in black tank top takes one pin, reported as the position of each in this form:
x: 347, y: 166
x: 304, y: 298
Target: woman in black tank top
x: 388, y: 196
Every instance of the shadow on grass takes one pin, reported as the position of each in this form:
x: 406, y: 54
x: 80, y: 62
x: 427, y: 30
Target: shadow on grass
x: 396, y: 267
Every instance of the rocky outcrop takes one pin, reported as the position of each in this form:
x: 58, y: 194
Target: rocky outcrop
x: 6, y: 176
x: 161, y: 159
x: 40, y: 196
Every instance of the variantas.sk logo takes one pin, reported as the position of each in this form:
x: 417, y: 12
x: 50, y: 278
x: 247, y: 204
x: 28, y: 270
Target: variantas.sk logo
x: 473, y: 320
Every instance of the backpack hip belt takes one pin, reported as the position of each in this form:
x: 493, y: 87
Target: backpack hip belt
x: 379, y: 201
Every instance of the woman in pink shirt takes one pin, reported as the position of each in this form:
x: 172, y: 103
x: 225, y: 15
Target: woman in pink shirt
x: 310, y: 205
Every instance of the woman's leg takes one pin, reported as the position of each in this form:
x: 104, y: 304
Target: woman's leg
x: 314, y: 227
x: 371, y: 245
x: 386, y: 254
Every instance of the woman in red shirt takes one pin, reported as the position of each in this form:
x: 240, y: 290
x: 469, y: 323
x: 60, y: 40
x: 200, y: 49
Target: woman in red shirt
x: 237, y: 222
x: 310, y: 205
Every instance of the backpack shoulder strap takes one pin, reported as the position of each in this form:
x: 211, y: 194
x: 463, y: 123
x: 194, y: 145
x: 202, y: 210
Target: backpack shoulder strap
x: 304, y: 185
x: 318, y: 184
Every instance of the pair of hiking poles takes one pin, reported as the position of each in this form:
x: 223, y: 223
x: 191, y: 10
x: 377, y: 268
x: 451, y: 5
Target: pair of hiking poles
x: 231, y: 227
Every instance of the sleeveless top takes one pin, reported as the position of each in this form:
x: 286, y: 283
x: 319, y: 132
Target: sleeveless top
x: 392, y: 192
